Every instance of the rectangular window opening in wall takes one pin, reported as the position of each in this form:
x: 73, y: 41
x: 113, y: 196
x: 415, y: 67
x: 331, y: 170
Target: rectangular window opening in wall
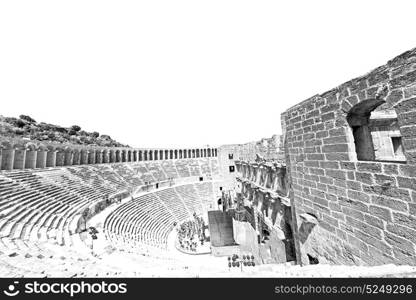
x: 230, y: 156
x: 201, y: 178
x: 376, y: 132
x: 232, y: 169
x: 397, y: 146
x: 157, y: 185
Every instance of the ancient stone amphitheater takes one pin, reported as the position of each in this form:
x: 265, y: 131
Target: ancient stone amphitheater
x: 334, y: 196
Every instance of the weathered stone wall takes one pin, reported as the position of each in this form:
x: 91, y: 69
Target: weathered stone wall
x: 365, y: 210
x: 268, y: 148
x: 262, y: 201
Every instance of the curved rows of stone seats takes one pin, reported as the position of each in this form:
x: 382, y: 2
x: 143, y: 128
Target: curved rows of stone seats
x: 173, y: 202
x: 20, y: 258
x: 194, y: 167
x: 205, y: 191
x: 205, y: 167
x: 215, y: 170
x: 143, y: 224
x: 39, y: 209
x: 156, y: 170
x: 191, y: 198
x: 170, y: 169
x: 183, y: 169
x: 41, y: 204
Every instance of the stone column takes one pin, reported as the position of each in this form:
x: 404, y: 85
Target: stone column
x: 98, y: 156
x: 76, y: 157
x: 91, y: 157
x: 41, y: 159
x: 258, y: 175
x: 118, y: 156
x: 112, y: 155
x: 261, y: 175
x: 84, y: 157
x: 106, y: 156
x: 7, y: 159
x: 274, y: 179
x: 124, y: 155
x: 51, y: 159
x: 60, y: 159
x: 30, y: 162
x: 268, y: 177
x: 19, y: 159
x: 68, y: 158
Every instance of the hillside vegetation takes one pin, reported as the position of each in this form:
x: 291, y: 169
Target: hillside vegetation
x: 22, y: 130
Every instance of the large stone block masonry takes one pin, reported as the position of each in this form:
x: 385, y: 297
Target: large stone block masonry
x: 365, y: 205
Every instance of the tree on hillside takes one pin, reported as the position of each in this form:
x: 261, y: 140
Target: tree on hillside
x: 27, y: 118
x: 75, y: 128
x: 20, y: 123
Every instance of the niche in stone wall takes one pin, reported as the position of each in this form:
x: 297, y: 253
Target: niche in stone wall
x: 385, y: 133
x: 376, y: 132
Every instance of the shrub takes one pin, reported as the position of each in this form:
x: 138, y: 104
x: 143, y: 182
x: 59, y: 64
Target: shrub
x: 20, y: 123
x: 75, y: 128
x: 60, y: 129
x: 27, y: 118
x: 19, y: 131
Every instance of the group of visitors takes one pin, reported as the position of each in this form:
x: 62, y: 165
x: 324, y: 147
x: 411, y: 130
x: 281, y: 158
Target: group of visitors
x: 191, y: 234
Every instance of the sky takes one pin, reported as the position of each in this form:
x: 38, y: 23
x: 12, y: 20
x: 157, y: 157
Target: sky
x: 188, y: 73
